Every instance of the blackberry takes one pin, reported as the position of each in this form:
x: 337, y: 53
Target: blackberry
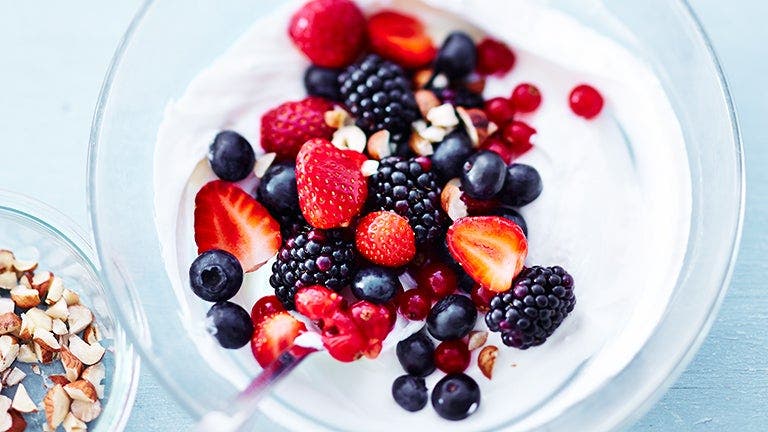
x: 378, y: 93
x: 313, y: 257
x: 407, y: 188
x: 531, y: 311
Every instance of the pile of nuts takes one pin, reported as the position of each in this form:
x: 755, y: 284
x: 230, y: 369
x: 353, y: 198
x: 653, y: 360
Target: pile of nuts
x: 51, y: 325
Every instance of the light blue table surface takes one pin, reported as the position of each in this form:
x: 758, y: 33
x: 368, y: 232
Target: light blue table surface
x: 53, y: 55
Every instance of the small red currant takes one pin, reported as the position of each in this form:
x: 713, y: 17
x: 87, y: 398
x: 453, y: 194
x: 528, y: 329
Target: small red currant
x: 586, y: 101
x: 494, y: 57
x: 526, y: 98
x: 414, y: 304
x: 438, y: 278
x: 499, y: 110
x: 452, y: 356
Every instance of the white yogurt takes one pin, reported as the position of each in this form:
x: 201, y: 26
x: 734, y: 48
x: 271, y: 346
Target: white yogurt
x: 615, y: 212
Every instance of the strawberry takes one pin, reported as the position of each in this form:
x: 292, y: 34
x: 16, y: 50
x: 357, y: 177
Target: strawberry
x: 316, y: 302
x: 267, y: 305
x: 385, y: 238
x: 331, y: 33
x: 274, y: 333
x: 491, y: 249
x: 400, y: 38
x: 342, y: 337
x: 228, y: 218
x: 332, y: 189
x: 285, y: 128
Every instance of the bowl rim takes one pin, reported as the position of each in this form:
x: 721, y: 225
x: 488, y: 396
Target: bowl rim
x: 628, y: 416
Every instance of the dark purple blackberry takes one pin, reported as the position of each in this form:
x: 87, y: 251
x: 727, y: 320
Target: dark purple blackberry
x: 460, y: 96
x: 378, y: 93
x: 405, y: 187
x: 313, y: 257
x: 531, y: 311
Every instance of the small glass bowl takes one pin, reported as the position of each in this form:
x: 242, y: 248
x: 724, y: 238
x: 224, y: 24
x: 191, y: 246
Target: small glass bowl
x: 35, y: 231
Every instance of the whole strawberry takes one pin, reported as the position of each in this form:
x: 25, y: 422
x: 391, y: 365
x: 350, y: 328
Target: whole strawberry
x: 331, y: 33
x: 285, y: 128
x: 385, y: 238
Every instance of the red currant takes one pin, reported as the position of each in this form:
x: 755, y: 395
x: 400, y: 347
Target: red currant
x: 414, y: 304
x: 494, y: 57
x: 438, y: 278
x: 518, y: 135
x: 452, y: 356
x: 526, y: 98
x: 586, y: 101
x: 498, y: 145
x: 481, y: 297
x: 499, y: 110
x: 266, y: 306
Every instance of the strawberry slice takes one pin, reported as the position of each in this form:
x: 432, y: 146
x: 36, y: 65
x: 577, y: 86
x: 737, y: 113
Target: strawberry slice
x: 332, y: 189
x: 228, y: 218
x: 274, y: 332
x: 400, y: 38
x: 317, y: 302
x: 491, y: 249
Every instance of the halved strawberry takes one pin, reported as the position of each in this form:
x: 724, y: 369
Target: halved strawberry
x: 342, y: 337
x: 491, y: 249
x: 385, y: 238
x: 400, y: 38
x: 317, y: 302
x: 332, y: 189
x: 374, y: 320
x: 273, y: 334
x: 228, y: 218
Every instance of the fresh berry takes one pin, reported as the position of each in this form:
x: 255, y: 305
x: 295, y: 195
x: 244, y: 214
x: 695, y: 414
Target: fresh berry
x: 277, y: 191
x: 438, y: 278
x: 285, y: 128
x: 494, y: 57
x: 531, y: 311
x: 459, y: 96
x: 342, y: 337
x: 456, y: 397
x: 452, y: 317
x: 416, y: 354
x: 482, y: 175
x: 513, y: 215
x: 491, y: 249
x: 403, y: 186
x: 457, y: 57
x: 452, y: 356
x: 401, y: 39
x: 215, y: 275
x: 414, y: 304
x: 317, y: 302
x: 466, y: 283
x: 227, y: 218
x: 331, y: 33
x: 481, y: 297
x: 375, y: 284
x: 518, y: 135
x: 274, y: 332
x: 522, y: 185
x: 478, y: 207
x: 526, y: 98
x: 500, y: 146
x: 450, y: 154
x: 265, y: 306
x: 374, y: 321
x: 410, y: 392
x: 230, y: 324
x: 231, y: 156
x: 586, y: 101
x: 313, y: 257
x: 499, y: 110
x: 385, y: 238
x: 331, y: 187
x: 322, y: 82
x: 378, y: 93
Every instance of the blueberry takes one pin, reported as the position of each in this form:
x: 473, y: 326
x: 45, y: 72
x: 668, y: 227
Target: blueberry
x: 512, y: 215
x: 482, y: 175
x: 452, y: 317
x: 410, y: 392
x: 456, y: 397
x: 231, y: 156
x: 277, y: 190
x: 215, y: 275
x: 457, y: 57
x: 450, y: 155
x: 230, y: 324
x: 323, y: 82
x: 521, y: 186
x: 375, y: 284
x: 416, y: 354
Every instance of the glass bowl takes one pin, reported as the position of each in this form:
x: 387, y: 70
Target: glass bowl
x: 35, y: 231
x: 170, y: 42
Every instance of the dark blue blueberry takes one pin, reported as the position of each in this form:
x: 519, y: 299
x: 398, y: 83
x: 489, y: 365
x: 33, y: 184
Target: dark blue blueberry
x: 456, y: 397
x: 277, y: 190
x: 231, y: 156
x: 521, y: 186
x: 323, y: 82
x: 482, y: 175
x: 416, y: 354
x: 452, y: 317
x: 457, y: 57
x: 375, y: 284
x: 512, y: 215
x: 451, y: 154
x: 410, y: 392
x: 230, y: 324
x: 215, y: 275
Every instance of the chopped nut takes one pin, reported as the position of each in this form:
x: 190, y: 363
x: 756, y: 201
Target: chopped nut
x: 443, y: 116
x: 26, y: 279
x: 22, y: 266
x: 55, y: 290
x: 92, y: 334
x: 56, y: 403
x: 22, y: 402
x: 73, y: 367
x: 95, y: 374
x: 9, y: 349
x: 378, y: 145
x: 59, y: 328
x: 8, y: 280
x: 440, y: 81
x: 43, y: 354
x: 487, y: 359
x: 24, y: 297
x: 426, y: 100
x: 86, y: 411
x: 46, y: 340
x: 434, y: 134
x: 39, y: 319
x: 7, y: 305
x: 337, y: 118
x: 369, y: 167
x: 81, y: 390
x: 59, y: 310
x: 451, y: 202
x: 6, y: 260
x: 349, y: 138
x: 59, y: 379
x: 41, y: 281
x: 477, y: 338
x: 420, y: 145
x: 80, y: 317
x: 26, y: 354
x: 73, y: 424
x: 263, y: 163
x: 5, y: 418
x: 70, y: 297
x: 421, y: 78
x: 476, y: 123
x: 11, y: 377
x: 88, y: 354
x: 9, y: 323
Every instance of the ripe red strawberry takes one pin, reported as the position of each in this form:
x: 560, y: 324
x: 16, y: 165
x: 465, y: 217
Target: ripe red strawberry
x: 228, y: 218
x: 273, y: 334
x: 285, y: 128
x: 317, y: 302
x: 331, y: 33
x: 400, y: 38
x: 385, y: 238
x: 332, y: 189
x: 491, y: 249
